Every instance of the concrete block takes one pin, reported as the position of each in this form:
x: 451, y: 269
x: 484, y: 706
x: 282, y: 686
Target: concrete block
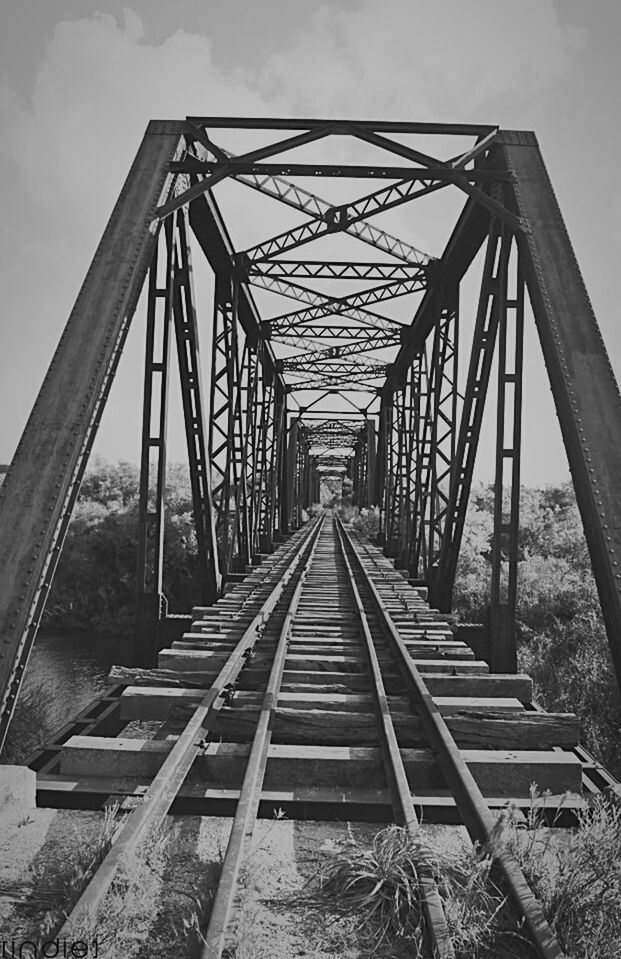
x: 17, y: 788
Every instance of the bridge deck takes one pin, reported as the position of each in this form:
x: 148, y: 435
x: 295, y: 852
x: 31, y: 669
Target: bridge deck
x: 324, y: 760
x: 325, y: 686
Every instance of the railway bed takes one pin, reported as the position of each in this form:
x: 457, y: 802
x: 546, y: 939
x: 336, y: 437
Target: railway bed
x: 323, y: 686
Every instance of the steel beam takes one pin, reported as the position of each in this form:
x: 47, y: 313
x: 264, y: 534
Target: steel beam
x: 150, y: 600
x: 344, y: 126
x: 585, y: 391
x: 491, y: 307
x: 503, y: 589
x: 239, y: 167
x: 195, y: 418
x: 42, y: 484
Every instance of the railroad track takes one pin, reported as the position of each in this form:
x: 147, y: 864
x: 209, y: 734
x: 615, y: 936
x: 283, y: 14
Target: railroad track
x: 323, y: 684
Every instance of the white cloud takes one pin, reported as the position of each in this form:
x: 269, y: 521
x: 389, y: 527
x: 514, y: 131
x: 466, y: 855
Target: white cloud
x: 422, y: 59
x: 100, y: 83
x: 98, y: 86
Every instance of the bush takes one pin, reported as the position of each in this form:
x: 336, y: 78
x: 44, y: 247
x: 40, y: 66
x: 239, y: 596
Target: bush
x: 577, y: 879
x: 366, y: 524
x: 95, y: 584
x: 560, y: 632
x: 576, y: 876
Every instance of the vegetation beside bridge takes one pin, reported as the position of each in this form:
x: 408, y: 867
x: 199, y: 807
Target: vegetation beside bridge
x: 561, y: 636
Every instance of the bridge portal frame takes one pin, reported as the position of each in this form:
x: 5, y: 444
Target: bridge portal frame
x: 511, y: 205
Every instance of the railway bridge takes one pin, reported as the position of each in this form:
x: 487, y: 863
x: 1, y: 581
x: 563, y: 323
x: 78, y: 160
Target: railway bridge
x: 320, y: 673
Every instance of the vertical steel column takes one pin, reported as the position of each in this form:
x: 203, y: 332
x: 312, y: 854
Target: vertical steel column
x: 266, y: 450
x: 483, y: 344
x: 444, y: 420
x: 313, y: 482
x: 231, y: 380
x: 394, y: 488
x: 187, y: 337
x: 293, y: 453
x: 586, y: 394
x: 360, y: 469
x: 281, y: 477
x: 371, y: 457
x: 242, y: 390
x: 150, y: 600
x: 390, y: 464
x: 220, y: 412
x: 422, y: 420
x: 273, y: 489
x: 503, y: 595
x: 406, y: 453
x: 381, y: 466
x: 248, y: 454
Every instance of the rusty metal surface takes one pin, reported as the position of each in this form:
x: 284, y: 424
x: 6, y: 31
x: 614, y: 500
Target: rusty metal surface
x: 43, y: 477
x: 585, y: 391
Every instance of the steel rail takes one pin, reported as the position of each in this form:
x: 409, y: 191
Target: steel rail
x: 250, y: 794
x: 468, y: 797
x: 403, y: 808
x: 160, y: 795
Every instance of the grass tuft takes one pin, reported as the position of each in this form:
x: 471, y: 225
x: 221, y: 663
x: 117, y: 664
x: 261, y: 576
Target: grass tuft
x: 380, y: 886
x: 576, y: 875
x: 481, y: 922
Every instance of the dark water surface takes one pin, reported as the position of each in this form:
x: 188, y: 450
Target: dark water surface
x: 69, y: 668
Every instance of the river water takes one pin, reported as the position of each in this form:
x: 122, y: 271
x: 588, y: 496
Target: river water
x: 67, y: 669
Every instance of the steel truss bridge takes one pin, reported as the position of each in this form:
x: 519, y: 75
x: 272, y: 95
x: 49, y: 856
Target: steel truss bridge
x: 367, y: 374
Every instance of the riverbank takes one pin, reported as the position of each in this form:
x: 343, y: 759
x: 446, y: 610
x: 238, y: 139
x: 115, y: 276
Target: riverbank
x: 67, y: 669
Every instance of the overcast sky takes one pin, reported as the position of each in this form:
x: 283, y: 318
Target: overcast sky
x: 79, y: 80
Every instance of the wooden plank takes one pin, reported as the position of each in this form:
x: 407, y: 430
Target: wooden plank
x: 498, y: 771
x: 99, y: 755
x: 135, y: 699
x: 132, y: 676
x: 494, y: 730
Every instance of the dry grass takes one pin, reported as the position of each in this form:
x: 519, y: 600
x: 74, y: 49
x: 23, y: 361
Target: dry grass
x: 368, y: 897
x: 378, y: 888
x: 50, y: 894
x: 482, y: 924
x: 123, y: 926
x: 577, y: 878
x: 46, y: 898
x: 576, y: 875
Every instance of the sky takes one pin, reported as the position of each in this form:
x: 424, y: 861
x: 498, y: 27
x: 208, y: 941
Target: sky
x: 80, y: 79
